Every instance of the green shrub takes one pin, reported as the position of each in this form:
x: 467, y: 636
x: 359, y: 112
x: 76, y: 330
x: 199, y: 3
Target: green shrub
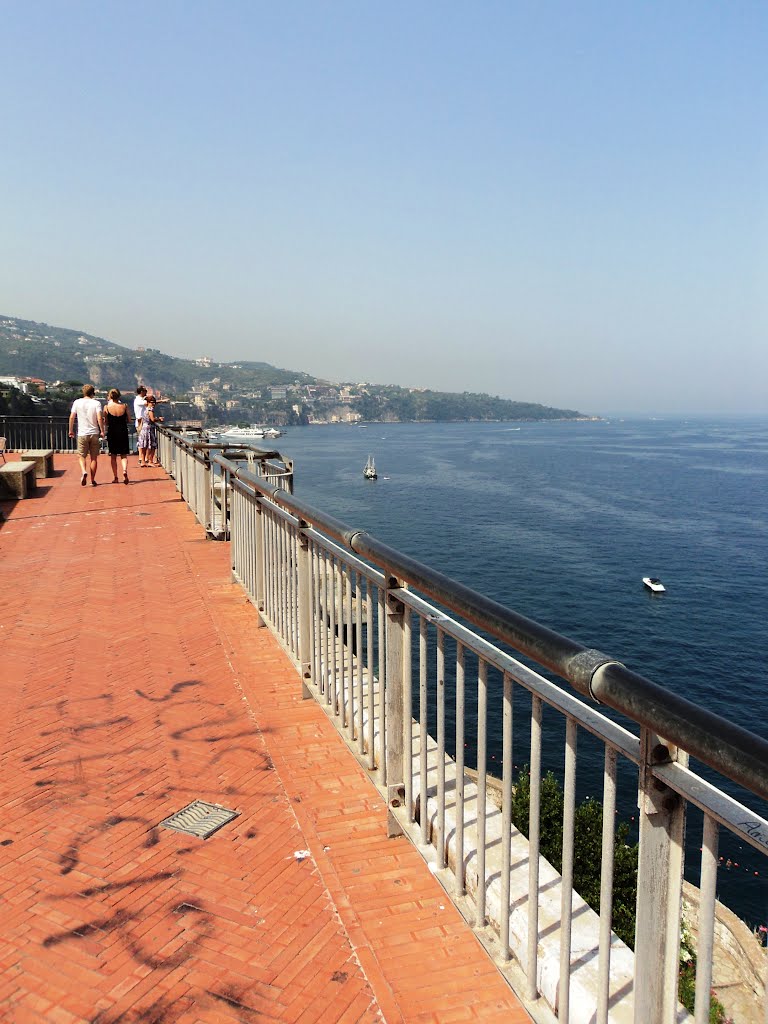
x: 686, y: 986
x: 587, y: 851
x: 588, y: 844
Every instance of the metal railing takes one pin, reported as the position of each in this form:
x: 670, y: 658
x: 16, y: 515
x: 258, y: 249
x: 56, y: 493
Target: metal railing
x: 412, y: 688
x: 187, y: 460
x: 24, y: 432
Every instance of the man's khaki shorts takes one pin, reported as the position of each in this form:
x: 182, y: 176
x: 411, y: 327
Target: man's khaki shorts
x: 88, y: 444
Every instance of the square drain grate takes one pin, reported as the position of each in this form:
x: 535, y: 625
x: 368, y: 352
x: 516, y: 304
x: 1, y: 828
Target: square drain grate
x: 199, y: 819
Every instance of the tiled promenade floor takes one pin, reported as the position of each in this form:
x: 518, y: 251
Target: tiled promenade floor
x: 133, y: 679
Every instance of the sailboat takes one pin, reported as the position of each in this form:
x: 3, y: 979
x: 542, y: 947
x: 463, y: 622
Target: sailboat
x: 370, y: 469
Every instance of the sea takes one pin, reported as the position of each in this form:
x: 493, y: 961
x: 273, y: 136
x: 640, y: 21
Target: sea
x: 560, y: 521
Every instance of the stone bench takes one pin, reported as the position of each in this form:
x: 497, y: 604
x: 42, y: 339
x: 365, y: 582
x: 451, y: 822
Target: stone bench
x: 17, y: 479
x: 43, y: 460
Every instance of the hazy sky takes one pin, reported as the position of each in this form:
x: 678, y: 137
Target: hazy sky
x: 557, y: 202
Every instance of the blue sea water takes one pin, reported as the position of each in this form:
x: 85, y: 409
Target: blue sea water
x: 561, y: 521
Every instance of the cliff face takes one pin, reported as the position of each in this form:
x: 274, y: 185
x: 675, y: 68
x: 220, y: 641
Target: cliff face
x: 739, y: 962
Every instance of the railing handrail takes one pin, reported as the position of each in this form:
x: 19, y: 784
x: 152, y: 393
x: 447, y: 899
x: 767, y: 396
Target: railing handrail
x: 208, y: 446
x: 715, y: 741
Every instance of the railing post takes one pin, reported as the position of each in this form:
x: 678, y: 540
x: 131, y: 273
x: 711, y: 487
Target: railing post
x: 225, y: 512
x: 393, y: 703
x: 305, y: 609
x: 208, y: 496
x: 659, y: 886
x: 260, y: 562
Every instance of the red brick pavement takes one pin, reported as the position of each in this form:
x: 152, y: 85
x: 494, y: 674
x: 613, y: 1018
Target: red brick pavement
x: 134, y: 679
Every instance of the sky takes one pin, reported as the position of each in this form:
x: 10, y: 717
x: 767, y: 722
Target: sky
x: 554, y: 202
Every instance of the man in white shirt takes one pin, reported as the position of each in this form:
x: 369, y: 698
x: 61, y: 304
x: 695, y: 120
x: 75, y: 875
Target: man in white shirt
x: 90, y: 426
x: 139, y: 405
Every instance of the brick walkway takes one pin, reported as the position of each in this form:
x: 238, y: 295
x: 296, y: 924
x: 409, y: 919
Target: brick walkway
x: 134, y: 679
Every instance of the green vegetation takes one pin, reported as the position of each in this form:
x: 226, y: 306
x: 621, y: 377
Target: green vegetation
x: 395, y: 403
x: 588, y: 847
x: 686, y: 989
x: 587, y: 852
x: 245, y: 391
x: 29, y: 348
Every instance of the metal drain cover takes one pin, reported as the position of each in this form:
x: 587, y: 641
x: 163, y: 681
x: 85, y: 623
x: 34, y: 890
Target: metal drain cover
x: 199, y: 819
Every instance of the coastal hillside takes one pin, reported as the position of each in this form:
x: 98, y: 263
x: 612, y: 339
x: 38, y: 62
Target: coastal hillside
x: 243, y: 390
x: 32, y: 349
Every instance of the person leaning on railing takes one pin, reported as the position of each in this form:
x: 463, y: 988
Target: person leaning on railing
x: 139, y: 405
x: 148, y: 435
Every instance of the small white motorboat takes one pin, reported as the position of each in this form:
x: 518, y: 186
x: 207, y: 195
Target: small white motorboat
x: 654, y: 585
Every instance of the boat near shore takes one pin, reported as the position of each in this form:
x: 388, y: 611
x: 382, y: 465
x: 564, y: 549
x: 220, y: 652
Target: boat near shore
x: 252, y: 433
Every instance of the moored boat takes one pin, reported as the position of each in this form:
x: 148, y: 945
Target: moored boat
x: 244, y: 433
x: 370, y: 469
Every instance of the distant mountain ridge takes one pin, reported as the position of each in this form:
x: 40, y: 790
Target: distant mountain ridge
x: 32, y: 349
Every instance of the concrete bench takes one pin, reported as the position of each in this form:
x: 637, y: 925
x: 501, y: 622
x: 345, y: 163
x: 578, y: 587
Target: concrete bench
x: 43, y: 460
x: 17, y: 479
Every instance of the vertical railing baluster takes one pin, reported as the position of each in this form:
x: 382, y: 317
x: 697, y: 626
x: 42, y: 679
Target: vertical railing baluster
x: 408, y: 713
x: 314, y: 615
x: 440, y: 707
x: 371, y: 694
x: 506, y: 815
x: 233, y: 543
x: 360, y: 664
x: 423, y: 726
x: 327, y: 627
x: 705, y: 945
x: 269, y: 569
x: 460, y: 880
x: 566, y: 875
x: 343, y: 675
x: 295, y: 612
x: 208, y: 503
x: 280, y: 576
x: 349, y: 658
x: 333, y: 649
x: 225, y: 504
x: 281, y: 579
x: 482, y: 768
x: 340, y: 626
x: 392, y: 735
x: 304, y: 600
x: 246, y: 546
x: 260, y: 557
x: 533, y: 850
x: 290, y: 586
x: 382, y: 707
x: 252, y: 549
x: 606, y: 885
x: 273, y: 561
x: 243, y: 539
x: 338, y: 650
